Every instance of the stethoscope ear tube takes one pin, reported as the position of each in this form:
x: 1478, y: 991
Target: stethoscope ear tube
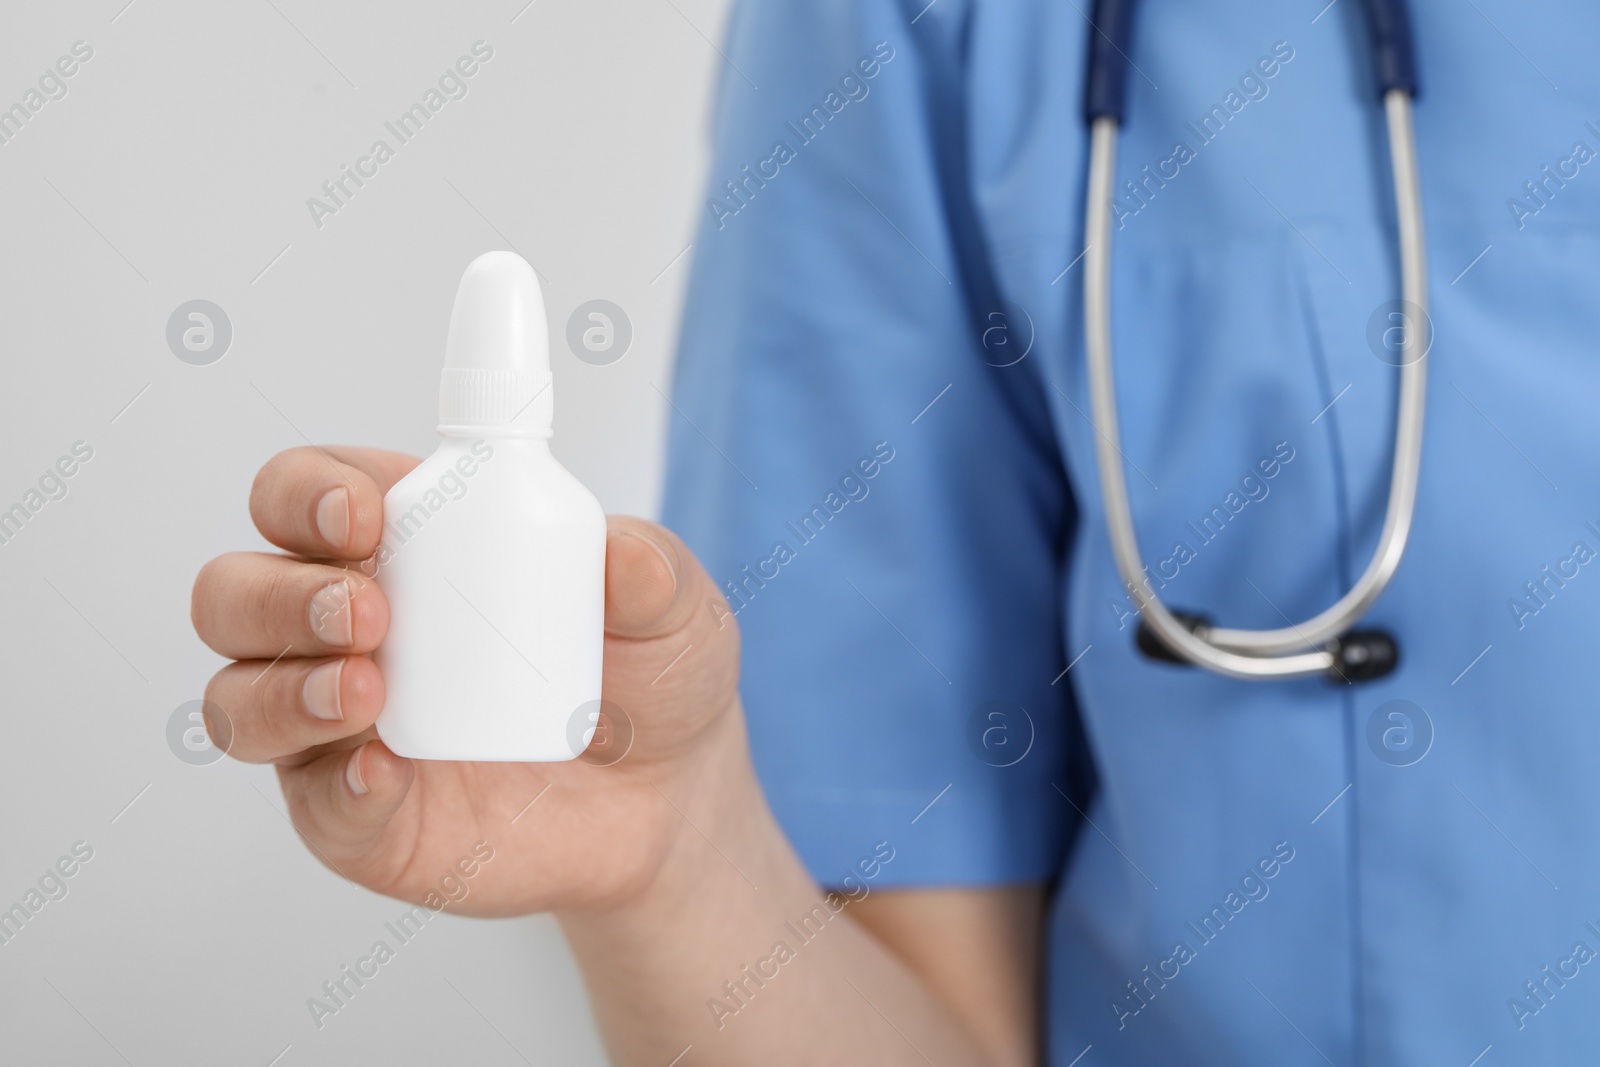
x: 1394, y: 57
x: 1110, y: 41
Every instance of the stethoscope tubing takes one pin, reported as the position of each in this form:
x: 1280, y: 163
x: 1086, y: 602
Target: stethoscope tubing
x: 1309, y: 647
x: 1394, y: 63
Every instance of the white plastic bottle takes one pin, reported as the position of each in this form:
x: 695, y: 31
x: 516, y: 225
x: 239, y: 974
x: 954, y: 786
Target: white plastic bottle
x: 493, y: 555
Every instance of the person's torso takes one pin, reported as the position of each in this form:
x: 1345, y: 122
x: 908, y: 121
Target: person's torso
x: 1278, y: 872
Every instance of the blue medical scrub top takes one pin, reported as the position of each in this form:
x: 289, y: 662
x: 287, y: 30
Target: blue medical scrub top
x: 906, y: 515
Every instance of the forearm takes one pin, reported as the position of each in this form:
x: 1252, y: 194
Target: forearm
x: 721, y: 925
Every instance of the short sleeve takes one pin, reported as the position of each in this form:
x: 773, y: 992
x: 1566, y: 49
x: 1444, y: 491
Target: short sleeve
x: 865, y: 466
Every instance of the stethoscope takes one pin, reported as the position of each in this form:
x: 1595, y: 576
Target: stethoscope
x: 1325, y: 644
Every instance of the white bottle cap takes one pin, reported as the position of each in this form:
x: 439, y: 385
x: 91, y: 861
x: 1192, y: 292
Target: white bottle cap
x: 497, y: 358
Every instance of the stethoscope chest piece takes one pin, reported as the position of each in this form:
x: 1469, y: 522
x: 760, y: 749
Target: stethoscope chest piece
x: 1356, y: 656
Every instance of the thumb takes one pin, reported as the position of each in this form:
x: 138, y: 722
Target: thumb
x: 672, y: 647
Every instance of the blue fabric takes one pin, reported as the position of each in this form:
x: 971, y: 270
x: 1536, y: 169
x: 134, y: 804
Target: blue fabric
x: 928, y: 231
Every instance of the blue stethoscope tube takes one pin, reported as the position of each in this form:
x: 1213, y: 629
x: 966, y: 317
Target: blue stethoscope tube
x: 1326, y: 644
x: 1394, y: 61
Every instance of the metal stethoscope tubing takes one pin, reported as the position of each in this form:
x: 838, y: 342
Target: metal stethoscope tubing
x: 1310, y: 647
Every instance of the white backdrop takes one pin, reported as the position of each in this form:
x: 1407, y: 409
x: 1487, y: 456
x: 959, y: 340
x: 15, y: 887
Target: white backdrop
x: 174, y: 164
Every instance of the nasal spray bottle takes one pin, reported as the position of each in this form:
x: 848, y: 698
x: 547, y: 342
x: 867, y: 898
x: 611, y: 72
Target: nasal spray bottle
x: 493, y: 555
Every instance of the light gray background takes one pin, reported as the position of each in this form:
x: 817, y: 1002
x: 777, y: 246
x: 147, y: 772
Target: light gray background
x: 177, y: 167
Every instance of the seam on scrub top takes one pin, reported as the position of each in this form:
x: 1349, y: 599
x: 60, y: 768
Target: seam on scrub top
x: 1341, y: 507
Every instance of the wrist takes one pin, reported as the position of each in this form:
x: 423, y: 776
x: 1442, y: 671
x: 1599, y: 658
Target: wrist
x: 717, y: 836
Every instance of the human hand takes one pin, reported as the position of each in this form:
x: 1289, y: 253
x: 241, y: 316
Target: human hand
x: 585, y: 834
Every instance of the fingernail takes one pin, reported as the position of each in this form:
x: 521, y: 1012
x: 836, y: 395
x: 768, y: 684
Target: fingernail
x: 333, y: 516
x: 321, y: 691
x: 330, y: 614
x: 352, y: 773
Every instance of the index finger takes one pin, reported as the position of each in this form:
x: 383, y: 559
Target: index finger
x: 326, y: 501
